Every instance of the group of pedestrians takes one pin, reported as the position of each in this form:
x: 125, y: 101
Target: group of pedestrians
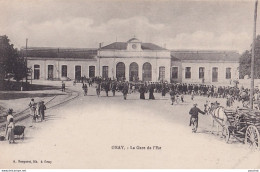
x: 176, y: 90
x: 125, y: 88
x: 37, y: 110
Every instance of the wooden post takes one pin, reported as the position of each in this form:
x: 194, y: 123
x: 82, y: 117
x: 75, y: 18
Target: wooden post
x: 26, y: 78
x: 253, y: 58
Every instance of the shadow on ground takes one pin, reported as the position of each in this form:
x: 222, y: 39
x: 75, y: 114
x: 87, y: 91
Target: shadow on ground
x: 43, y: 87
x: 16, y: 86
x: 10, y: 95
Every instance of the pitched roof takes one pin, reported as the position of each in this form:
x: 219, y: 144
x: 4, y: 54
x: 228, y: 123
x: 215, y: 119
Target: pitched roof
x: 134, y: 40
x: 206, y: 55
x: 115, y: 46
x: 47, y: 52
x: 123, y: 46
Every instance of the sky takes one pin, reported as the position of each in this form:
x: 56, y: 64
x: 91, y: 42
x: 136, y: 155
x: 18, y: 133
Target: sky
x: 196, y: 25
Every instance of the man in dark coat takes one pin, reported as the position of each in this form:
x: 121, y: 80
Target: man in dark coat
x: 163, y: 90
x: 194, y: 118
x: 114, y: 89
x: 142, y: 92
x: 107, y: 88
x: 62, y: 86
x: 42, y: 109
x: 98, y: 89
x: 125, y: 90
x: 172, y: 94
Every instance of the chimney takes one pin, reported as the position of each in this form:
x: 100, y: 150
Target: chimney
x: 100, y: 44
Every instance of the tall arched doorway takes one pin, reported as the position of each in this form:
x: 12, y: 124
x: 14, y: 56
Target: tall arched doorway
x: 133, y: 72
x: 147, y: 72
x: 120, y: 70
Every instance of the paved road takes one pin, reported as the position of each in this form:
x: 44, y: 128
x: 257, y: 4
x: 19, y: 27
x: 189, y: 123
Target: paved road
x: 82, y: 133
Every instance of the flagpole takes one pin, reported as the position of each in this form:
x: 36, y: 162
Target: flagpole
x: 253, y: 58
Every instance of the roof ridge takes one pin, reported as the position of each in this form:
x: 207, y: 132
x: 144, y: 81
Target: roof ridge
x: 205, y: 51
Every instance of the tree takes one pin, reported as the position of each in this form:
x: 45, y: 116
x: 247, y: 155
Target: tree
x: 245, y: 61
x: 11, y: 62
x: 245, y: 64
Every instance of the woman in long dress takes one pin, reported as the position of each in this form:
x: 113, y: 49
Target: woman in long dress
x: 8, y: 118
x: 163, y: 91
x: 151, y: 91
x: 10, y: 131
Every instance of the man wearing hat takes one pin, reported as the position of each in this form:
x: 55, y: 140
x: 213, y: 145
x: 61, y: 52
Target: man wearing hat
x: 42, y: 108
x: 194, y: 118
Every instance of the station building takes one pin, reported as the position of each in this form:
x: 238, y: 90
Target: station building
x: 205, y: 66
x: 55, y: 63
x: 133, y: 60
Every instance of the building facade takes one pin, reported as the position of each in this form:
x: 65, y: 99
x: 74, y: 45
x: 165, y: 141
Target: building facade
x: 54, y: 64
x: 133, y: 61
x: 205, y: 66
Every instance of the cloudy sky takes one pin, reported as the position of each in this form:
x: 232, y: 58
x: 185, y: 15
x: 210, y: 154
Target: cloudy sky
x: 221, y: 25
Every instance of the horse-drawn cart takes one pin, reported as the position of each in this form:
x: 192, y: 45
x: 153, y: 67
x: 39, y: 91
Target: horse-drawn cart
x: 243, y: 125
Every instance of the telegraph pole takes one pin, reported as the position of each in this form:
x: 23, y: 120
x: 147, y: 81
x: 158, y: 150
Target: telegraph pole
x: 253, y: 58
x: 26, y: 60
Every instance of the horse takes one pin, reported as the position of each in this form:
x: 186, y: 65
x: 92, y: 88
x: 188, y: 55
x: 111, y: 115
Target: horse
x: 207, y: 107
x: 244, y: 96
x: 218, y: 116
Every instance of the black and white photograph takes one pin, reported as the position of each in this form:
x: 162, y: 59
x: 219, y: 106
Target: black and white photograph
x: 120, y: 84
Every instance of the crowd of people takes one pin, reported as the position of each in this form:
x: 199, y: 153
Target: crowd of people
x: 175, y: 90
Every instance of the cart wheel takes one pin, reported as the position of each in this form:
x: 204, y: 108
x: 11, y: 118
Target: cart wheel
x: 252, y: 138
x: 22, y: 137
x: 227, y: 134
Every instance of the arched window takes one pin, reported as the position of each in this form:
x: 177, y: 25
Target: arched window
x: 147, y: 72
x: 120, y: 70
x: 133, y: 72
